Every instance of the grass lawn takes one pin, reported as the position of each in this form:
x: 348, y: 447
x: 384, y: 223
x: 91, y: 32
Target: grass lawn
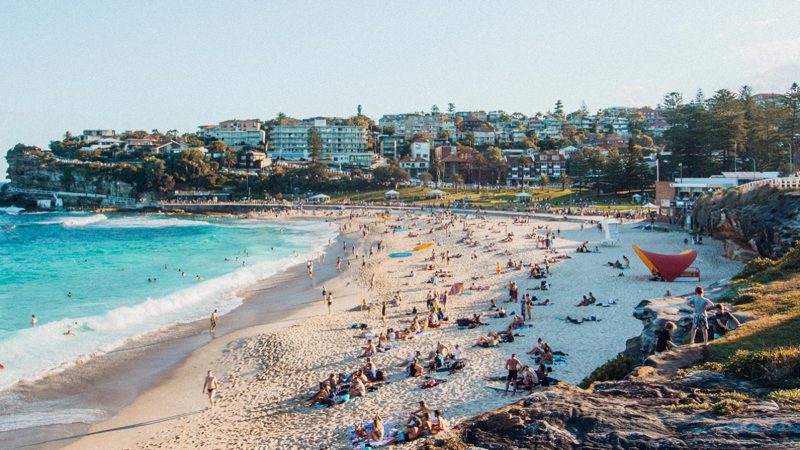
x: 494, y: 199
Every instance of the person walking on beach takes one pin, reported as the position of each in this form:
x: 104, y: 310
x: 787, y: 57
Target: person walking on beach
x: 338, y: 263
x: 513, y: 365
x: 210, y: 387
x: 699, y: 304
x: 329, y: 299
x: 213, y: 320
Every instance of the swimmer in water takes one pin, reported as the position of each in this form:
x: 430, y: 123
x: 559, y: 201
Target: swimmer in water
x: 69, y: 294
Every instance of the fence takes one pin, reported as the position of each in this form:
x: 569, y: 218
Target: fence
x: 780, y: 183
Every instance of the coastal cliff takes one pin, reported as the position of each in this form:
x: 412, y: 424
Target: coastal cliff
x: 703, y: 410
x: 31, y: 168
x: 761, y: 222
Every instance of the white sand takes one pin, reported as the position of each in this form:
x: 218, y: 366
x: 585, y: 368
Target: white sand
x: 268, y: 372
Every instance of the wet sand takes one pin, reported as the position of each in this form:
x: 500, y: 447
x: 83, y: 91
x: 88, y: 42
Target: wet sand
x: 99, y: 388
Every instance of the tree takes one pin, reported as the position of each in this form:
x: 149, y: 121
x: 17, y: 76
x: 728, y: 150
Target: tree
x: 192, y: 169
x: 358, y: 110
x: 315, y: 144
x: 156, y: 179
x: 544, y: 181
x: 451, y: 108
x: 726, y: 118
x: 637, y: 172
x: 559, y: 109
x: 614, y: 176
x: 434, y: 110
x: 389, y: 174
x: 458, y: 180
x: 426, y: 177
x: 791, y: 124
x: 229, y: 159
x: 565, y: 180
x: 437, y: 167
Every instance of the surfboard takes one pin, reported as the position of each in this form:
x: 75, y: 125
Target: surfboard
x: 423, y: 246
x: 400, y: 254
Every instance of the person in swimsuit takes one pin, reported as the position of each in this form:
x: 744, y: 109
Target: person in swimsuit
x: 34, y: 321
x: 213, y: 320
x: 699, y: 304
x: 329, y: 299
x: 513, y: 365
x: 210, y: 387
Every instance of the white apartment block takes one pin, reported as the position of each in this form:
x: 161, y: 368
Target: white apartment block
x: 421, y: 149
x: 89, y: 136
x: 235, y: 133
x: 409, y: 125
x: 342, y: 144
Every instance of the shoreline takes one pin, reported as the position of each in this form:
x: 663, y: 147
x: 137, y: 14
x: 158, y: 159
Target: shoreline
x: 98, y: 388
x: 256, y: 352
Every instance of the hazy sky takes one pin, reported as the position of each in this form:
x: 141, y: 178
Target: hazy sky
x: 173, y: 64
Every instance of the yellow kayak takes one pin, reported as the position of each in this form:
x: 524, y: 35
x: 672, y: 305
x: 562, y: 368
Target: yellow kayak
x: 423, y: 246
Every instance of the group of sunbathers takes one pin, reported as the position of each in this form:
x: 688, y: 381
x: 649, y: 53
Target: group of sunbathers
x: 338, y: 388
x: 586, y: 301
x: 626, y: 264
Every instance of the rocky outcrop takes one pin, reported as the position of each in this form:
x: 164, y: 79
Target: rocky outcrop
x: 634, y: 414
x: 31, y: 168
x: 760, y: 222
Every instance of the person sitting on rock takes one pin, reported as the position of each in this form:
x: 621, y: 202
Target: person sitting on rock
x: 723, y: 321
x: 664, y: 338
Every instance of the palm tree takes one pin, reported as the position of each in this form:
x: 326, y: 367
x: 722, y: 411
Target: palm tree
x: 565, y: 180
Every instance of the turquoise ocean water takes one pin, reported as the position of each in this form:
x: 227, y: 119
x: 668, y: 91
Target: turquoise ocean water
x: 89, y: 273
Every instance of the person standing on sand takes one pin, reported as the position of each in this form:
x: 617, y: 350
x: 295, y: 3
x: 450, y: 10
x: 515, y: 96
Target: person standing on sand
x: 210, y: 387
x: 513, y: 365
x: 329, y: 299
x: 213, y: 320
x: 34, y: 321
x: 699, y: 304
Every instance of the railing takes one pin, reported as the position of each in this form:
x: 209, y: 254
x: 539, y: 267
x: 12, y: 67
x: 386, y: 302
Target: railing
x: 107, y: 199
x: 780, y: 183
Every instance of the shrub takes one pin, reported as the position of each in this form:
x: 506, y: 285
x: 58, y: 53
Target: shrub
x: 614, y: 369
x: 778, y: 367
x: 712, y: 366
x: 755, y: 266
x: 734, y: 396
x: 785, y: 395
x: 690, y: 407
x: 727, y: 407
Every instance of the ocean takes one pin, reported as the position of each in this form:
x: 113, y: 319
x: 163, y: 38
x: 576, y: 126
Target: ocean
x: 107, y: 278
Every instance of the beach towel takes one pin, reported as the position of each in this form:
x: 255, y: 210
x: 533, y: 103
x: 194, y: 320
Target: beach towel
x: 433, y: 382
x: 457, y: 289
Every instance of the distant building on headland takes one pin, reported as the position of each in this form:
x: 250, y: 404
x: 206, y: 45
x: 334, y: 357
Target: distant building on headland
x: 237, y: 134
x: 341, y: 144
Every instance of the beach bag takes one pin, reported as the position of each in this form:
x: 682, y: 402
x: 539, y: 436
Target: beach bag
x: 463, y: 322
x: 457, y: 365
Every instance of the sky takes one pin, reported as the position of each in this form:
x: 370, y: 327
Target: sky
x: 179, y: 64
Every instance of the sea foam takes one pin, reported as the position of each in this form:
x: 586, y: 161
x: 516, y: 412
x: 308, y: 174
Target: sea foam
x: 32, y: 353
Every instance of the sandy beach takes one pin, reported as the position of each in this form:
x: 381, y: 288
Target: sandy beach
x: 268, y: 372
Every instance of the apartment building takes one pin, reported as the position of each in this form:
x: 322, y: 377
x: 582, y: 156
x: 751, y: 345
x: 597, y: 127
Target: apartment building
x: 409, y: 125
x: 341, y: 144
x: 237, y: 134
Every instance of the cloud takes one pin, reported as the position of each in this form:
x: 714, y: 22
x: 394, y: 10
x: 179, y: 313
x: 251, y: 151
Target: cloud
x: 761, y: 22
x: 768, y: 56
